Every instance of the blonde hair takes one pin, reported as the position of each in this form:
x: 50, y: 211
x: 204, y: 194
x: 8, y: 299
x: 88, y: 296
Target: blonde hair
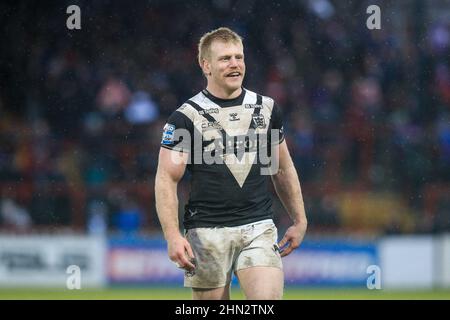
x: 221, y: 34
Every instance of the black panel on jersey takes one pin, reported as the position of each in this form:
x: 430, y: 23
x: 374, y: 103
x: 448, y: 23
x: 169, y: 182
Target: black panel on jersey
x: 276, y: 122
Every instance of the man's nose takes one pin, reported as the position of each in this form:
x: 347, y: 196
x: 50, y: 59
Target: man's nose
x: 233, y: 62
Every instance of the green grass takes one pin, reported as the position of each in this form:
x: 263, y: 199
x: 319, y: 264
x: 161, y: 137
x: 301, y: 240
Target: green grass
x: 184, y: 293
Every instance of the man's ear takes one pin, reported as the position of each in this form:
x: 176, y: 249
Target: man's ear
x: 206, y: 67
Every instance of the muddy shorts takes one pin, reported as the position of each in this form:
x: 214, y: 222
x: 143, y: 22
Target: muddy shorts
x: 220, y: 251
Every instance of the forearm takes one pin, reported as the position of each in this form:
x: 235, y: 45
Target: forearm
x: 167, y: 205
x: 287, y: 186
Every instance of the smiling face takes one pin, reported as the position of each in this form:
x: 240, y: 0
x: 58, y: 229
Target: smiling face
x: 225, y: 68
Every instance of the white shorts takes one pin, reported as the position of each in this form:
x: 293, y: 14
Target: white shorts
x: 220, y: 251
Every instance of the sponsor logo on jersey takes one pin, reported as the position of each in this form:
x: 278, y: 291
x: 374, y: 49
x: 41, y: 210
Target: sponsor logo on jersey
x: 168, y: 132
x: 252, y: 106
x: 234, y: 117
x: 259, y: 121
x: 207, y: 125
x: 208, y: 111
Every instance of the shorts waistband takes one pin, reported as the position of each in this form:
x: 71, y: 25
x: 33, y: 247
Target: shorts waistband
x: 254, y: 223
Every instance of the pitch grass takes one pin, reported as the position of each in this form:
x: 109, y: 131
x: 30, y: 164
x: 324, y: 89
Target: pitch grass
x: 236, y: 294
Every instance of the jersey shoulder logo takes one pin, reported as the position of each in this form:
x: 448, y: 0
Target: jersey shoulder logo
x: 168, y: 132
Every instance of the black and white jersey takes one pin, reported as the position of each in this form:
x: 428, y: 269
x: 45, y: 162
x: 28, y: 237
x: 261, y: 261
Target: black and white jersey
x: 224, y: 139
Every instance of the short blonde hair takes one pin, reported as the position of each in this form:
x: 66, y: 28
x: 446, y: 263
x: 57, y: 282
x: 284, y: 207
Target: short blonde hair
x: 221, y: 34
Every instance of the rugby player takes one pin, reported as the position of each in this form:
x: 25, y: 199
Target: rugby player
x: 228, y: 218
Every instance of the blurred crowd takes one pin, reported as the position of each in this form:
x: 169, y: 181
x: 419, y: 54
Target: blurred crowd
x: 366, y: 112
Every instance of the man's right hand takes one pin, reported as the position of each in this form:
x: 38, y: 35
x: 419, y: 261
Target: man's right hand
x: 180, y: 252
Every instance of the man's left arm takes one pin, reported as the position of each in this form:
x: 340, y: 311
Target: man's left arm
x: 287, y: 187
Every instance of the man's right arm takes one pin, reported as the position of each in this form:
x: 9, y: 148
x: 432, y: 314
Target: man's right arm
x: 169, y: 173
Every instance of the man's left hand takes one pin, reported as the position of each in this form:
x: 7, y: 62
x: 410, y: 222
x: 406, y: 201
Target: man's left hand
x: 292, y: 238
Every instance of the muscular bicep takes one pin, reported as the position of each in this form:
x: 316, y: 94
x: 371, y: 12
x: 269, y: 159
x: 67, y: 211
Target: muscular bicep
x: 171, y: 164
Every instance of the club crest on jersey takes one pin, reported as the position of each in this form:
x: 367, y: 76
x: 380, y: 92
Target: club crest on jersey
x: 234, y: 117
x: 259, y: 121
x: 168, y: 132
